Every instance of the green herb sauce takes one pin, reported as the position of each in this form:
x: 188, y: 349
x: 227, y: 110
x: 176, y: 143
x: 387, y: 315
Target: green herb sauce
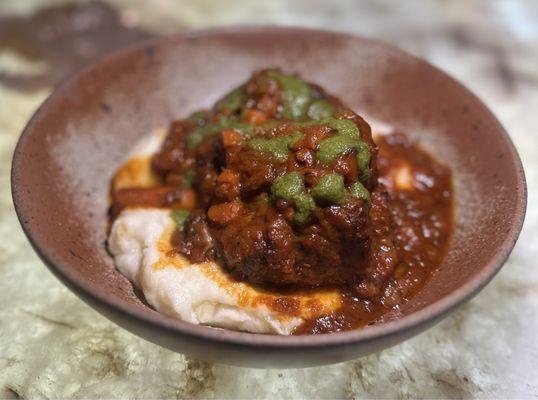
x: 233, y: 101
x: 331, y: 148
x: 278, y: 147
x: 358, y: 190
x: 347, y: 138
x: 198, y: 135
x: 197, y: 117
x: 291, y: 187
x: 320, y: 109
x: 296, y: 95
x: 330, y: 189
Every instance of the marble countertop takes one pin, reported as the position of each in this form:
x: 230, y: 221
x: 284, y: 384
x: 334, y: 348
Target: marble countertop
x: 53, y: 345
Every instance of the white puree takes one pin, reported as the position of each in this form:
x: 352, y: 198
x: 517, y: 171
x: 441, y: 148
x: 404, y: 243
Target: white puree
x: 198, y: 293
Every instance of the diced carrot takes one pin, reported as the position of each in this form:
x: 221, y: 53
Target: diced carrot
x: 186, y: 201
x: 228, y: 176
x: 225, y: 212
x: 255, y: 117
x: 230, y: 138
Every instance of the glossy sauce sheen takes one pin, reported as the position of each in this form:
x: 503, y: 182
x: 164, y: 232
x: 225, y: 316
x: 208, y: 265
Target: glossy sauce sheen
x: 422, y: 222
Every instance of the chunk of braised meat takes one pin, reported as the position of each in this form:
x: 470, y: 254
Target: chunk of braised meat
x: 261, y: 246
x: 336, y: 248
x: 195, y: 240
x: 383, y: 256
x: 263, y: 94
x: 173, y: 155
x: 205, y: 184
x: 256, y: 170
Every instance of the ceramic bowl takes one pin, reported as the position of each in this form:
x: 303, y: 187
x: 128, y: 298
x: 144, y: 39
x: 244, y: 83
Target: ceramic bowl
x: 71, y: 147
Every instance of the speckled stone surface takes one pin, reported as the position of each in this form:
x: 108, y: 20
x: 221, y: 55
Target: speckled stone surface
x: 53, y: 345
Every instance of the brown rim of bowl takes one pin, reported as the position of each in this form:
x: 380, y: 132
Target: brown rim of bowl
x: 160, y: 321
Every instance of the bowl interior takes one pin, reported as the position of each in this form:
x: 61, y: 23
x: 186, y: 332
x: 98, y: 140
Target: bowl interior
x: 70, y: 149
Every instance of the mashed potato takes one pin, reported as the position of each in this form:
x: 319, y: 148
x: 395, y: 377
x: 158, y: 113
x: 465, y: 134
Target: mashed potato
x: 201, y: 293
